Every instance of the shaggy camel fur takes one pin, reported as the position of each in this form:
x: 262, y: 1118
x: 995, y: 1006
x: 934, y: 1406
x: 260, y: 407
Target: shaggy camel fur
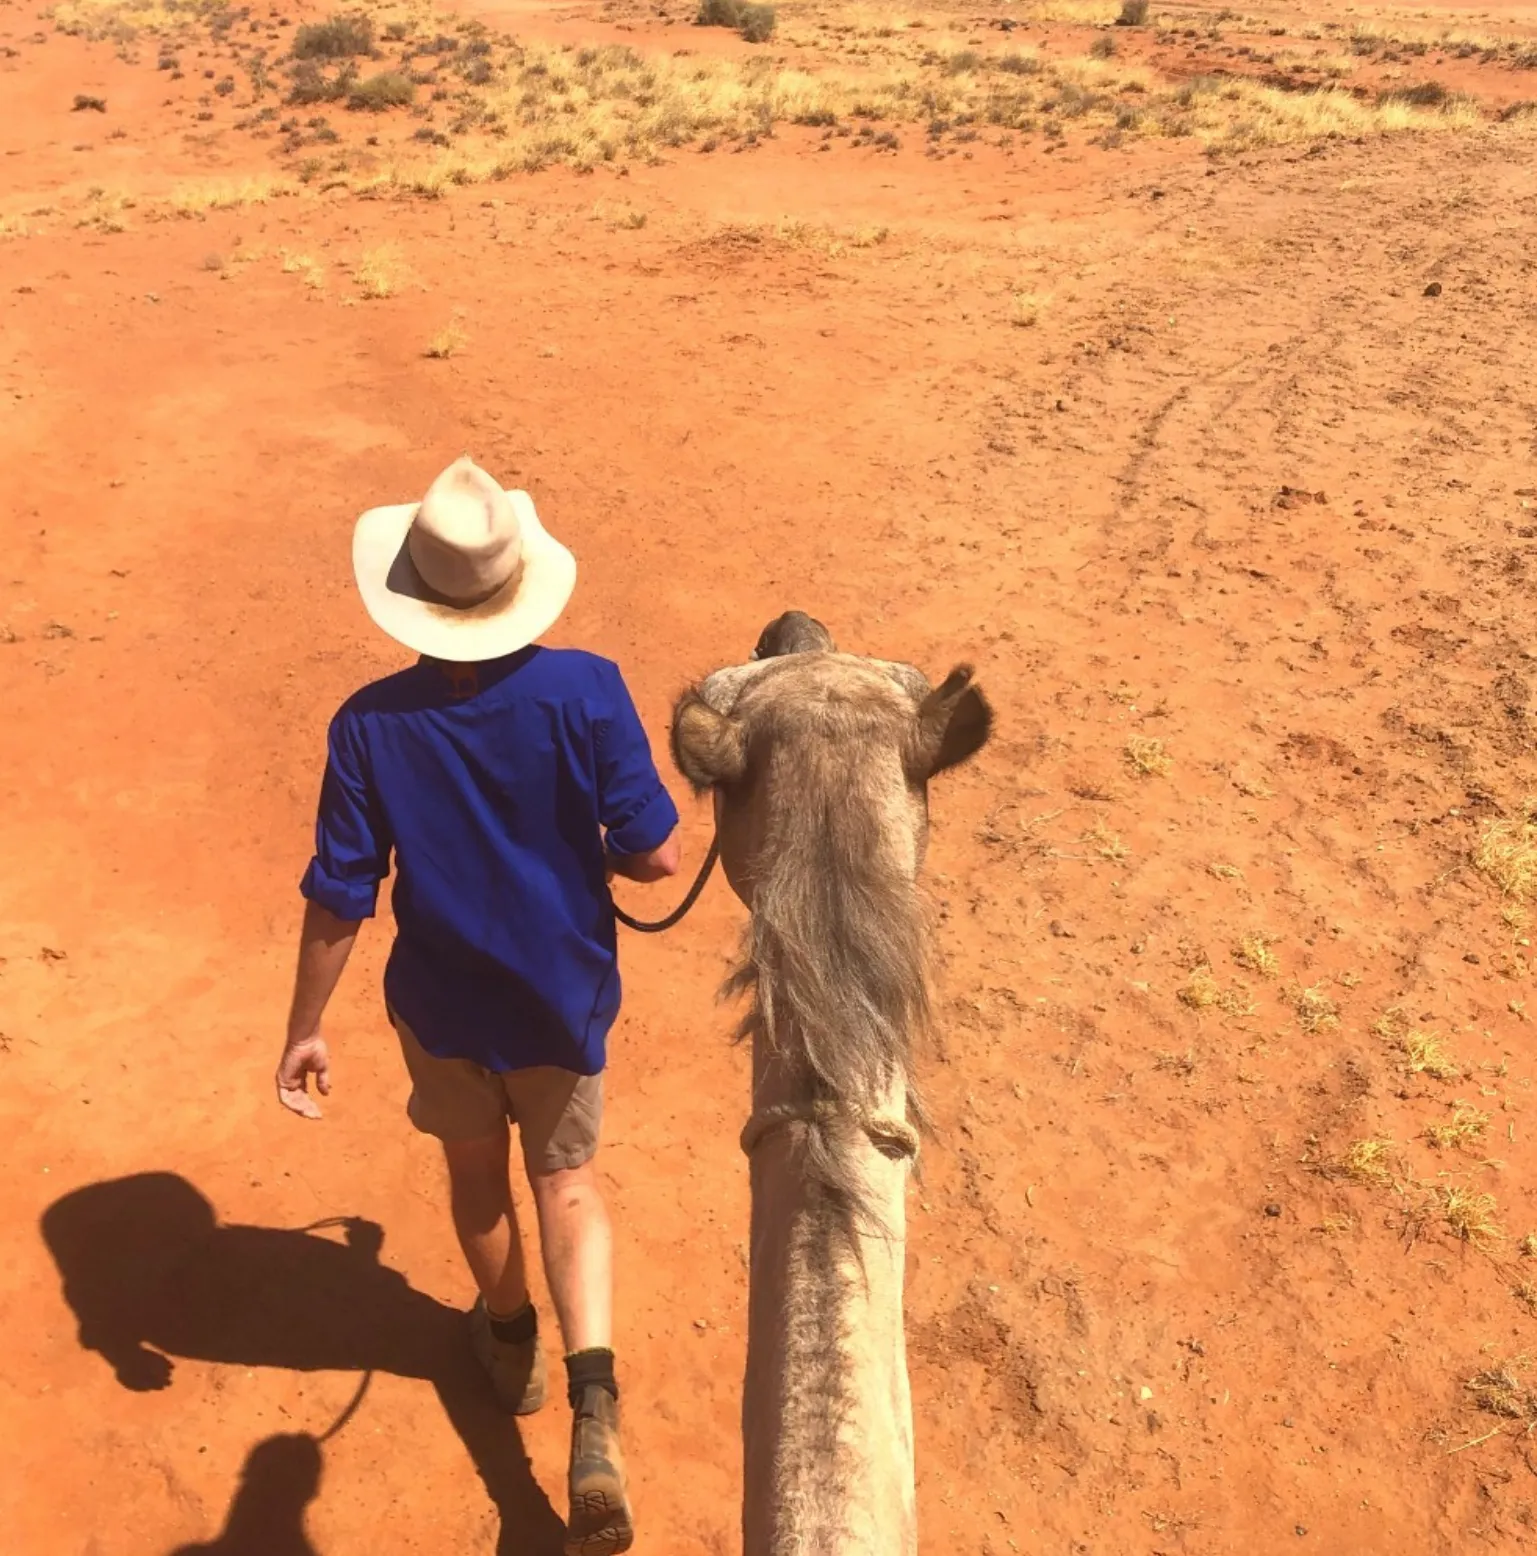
x: 819, y: 762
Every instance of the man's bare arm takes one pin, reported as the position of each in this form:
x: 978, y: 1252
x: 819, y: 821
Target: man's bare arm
x: 655, y: 866
x: 325, y: 943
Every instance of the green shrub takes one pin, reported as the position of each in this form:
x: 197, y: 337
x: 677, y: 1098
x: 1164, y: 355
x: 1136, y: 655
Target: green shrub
x: 342, y: 36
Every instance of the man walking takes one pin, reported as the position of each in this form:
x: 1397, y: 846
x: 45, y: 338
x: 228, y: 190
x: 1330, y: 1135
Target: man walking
x: 510, y: 782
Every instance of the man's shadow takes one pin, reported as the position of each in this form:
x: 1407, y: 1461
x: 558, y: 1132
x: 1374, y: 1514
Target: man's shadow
x: 152, y: 1275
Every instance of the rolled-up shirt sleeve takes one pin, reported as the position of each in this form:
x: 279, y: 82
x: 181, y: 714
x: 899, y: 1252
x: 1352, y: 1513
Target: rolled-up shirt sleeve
x: 352, y: 839
x: 635, y: 808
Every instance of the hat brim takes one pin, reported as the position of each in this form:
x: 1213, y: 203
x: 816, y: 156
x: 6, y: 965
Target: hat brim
x: 402, y: 605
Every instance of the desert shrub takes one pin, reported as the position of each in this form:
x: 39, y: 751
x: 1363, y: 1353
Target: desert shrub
x: 1020, y: 64
x: 389, y: 89
x: 757, y: 23
x: 963, y: 64
x: 1103, y: 47
x: 1133, y: 13
x: 309, y: 84
x: 1423, y: 94
x: 342, y: 36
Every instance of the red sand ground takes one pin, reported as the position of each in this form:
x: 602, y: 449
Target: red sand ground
x: 1143, y: 1315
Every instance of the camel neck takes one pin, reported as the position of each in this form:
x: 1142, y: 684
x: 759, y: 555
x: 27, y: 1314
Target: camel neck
x: 826, y: 1412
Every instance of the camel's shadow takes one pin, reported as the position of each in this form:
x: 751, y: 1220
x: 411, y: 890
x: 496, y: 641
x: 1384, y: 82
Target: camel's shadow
x: 152, y: 1275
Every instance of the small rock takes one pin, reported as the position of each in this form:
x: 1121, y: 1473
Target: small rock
x: 1145, y: 1394
x: 1433, y: 290
x: 1286, y: 1421
x: 1302, y: 1529
x: 1062, y: 931
x: 57, y: 629
x: 1272, y: 1209
x: 1473, y: 957
x: 700, y: 1323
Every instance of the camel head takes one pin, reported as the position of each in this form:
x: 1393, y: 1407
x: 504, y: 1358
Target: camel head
x: 819, y: 763
x: 802, y: 728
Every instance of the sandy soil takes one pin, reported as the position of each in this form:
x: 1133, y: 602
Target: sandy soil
x: 1172, y: 449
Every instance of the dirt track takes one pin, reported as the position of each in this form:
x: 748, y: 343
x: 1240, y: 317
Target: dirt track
x: 1230, y: 481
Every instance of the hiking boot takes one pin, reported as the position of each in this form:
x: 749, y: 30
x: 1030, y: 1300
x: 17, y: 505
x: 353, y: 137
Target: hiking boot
x: 600, y: 1510
x: 516, y: 1369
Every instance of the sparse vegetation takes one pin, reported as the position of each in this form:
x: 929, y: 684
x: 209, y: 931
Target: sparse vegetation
x: 1134, y: 13
x: 1316, y: 1012
x: 377, y: 273
x: 1253, y: 951
x: 302, y: 265
x: 1499, y: 1391
x: 1466, y: 1126
x: 1024, y: 310
x: 1105, y: 843
x: 345, y: 35
x: 1224, y: 872
x: 1369, y: 1161
x: 1507, y: 854
x: 1468, y: 1214
x: 1424, y: 1052
x: 448, y: 342
x: 1201, y: 991
x: 754, y: 22
x: 1147, y: 758
x: 388, y: 89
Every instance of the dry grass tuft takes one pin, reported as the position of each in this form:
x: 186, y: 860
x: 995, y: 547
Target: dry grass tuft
x: 1466, y: 1125
x: 1368, y: 1161
x: 378, y: 273
x: 448, y: 342
x: 1224, y: 872
x: 310, y: 271
x: 1424, y: 1052
x: 1468, y: 1215
x: 1527, y: 1247
x: 1105, y: 843
x: 1147, y: 758
x: 1253, y: 951
x: 1025, y: 310
x: 1201, y: 991
x: 1316, y: 1012
x: 1499, y: 1391
x: 1177, y: 1064
x: 1526, y: 1294
x: 1507, y: 854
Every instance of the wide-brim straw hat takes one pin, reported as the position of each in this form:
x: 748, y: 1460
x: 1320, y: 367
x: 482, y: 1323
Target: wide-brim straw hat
x: 467, y: 573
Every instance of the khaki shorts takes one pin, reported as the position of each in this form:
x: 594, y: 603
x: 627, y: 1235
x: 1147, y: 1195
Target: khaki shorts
x: 558, y: 1113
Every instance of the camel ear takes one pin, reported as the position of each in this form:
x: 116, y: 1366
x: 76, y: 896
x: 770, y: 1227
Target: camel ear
x: 953, y: 724
x: 708, y: 747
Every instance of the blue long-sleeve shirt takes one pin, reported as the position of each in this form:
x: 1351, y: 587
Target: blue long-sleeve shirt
x: 495, y: 786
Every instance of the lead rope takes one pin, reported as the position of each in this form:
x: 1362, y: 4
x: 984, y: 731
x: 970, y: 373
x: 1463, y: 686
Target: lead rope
x: 677, y: 913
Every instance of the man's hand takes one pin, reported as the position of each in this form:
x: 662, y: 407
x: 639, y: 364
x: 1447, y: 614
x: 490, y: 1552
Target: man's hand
x: 309, y: 1056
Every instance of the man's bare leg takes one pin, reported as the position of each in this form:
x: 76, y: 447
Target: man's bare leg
x: 578, y: 1251
x: 480, y: 1196
x: 579, y: 1266
x: 503, y: 1328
